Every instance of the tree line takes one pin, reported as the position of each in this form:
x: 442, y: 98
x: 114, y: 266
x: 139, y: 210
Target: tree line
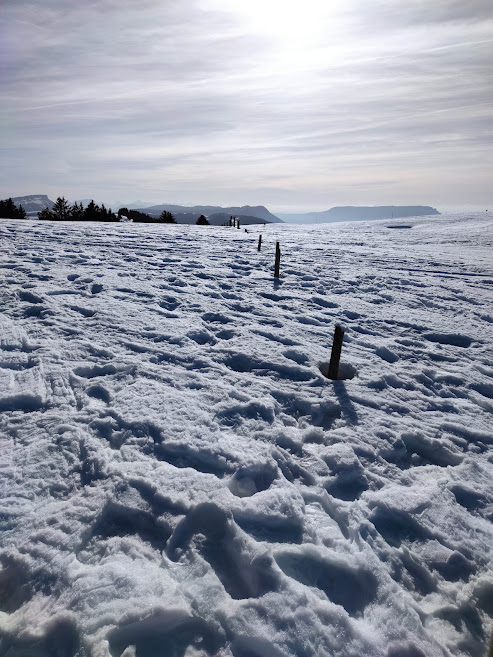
x: 63, y: 211
x: 9, y: 210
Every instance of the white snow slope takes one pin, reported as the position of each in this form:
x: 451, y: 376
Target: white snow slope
x: 179, y: 479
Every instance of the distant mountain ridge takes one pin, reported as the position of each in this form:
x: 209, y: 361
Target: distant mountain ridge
x: 256, y: 211
x: 360, y: 213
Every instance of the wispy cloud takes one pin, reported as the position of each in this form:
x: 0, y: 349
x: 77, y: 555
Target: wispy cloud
x: 293, y: 104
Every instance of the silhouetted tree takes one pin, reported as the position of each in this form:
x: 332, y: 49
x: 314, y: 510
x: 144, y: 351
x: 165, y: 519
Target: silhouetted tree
x: 202, y: 221
x: 166, y: 218
x: 61, y: 210
x: 45, y: 215
x: 92, y: 212
x: 106, y: 214
x: 77, y: 212
x: 9, y: 210
x: 141, y: 217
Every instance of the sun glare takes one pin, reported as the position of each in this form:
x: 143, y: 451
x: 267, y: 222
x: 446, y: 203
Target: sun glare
x: 293, y: 23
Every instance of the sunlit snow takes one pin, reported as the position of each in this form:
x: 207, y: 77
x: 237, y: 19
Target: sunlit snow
x: 178, y: 476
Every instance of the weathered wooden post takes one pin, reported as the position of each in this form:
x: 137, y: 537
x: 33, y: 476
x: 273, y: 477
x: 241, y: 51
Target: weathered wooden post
x: 335, y: 355
x: 277, y: 261
x: 238, y: 222
x: 259, y: 242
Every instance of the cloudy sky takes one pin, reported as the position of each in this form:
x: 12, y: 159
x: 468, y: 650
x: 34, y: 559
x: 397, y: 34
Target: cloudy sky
x: 294, y: 104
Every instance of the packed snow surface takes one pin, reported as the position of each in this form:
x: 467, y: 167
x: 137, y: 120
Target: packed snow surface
x: 180, y: 479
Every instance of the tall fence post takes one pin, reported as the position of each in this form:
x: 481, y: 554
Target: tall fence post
x: 237, y: 222
x: 259, y: 242
x: 278, y: 260
x: 335, y: 355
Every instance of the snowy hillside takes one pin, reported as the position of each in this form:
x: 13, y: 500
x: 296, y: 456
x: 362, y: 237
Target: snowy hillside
x: 179, y: 479
x: 34, y: 202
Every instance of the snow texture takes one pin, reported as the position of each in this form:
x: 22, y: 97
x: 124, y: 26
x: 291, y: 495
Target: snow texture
x: 179, y: 478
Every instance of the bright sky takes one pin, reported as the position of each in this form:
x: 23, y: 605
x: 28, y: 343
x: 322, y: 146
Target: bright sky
x: 297, y: 105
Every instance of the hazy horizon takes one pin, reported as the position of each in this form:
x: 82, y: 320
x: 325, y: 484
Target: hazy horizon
x: 296, y: 107
x: 307, y: 209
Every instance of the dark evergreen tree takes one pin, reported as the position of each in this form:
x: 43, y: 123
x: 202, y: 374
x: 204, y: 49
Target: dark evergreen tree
x: 9, y: 210
x: 123, y: 212
x: 77, y: 212
x: 141, y: 217
x: 107, y: 214
x: 46, y: 215
x: 61, y: 210
x: 202, y: 221
x: 166, y: 218
x: 92, y: 212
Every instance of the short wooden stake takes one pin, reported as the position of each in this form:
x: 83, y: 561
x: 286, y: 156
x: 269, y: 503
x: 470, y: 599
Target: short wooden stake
x: 335, y: 355
x: 259, y: 242
x: 278, y: 260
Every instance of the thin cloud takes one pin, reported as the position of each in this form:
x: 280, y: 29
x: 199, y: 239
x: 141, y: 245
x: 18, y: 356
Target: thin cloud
x: 192, y: 99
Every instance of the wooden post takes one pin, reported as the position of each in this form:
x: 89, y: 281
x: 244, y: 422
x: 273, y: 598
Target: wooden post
x: 259, y: 242
x: 335, y: 355
x: 238, y: 222
x: 278, y: 260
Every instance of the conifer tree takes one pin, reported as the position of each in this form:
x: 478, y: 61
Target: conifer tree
x: 8, y: 210
x: 166, y: 218
x: 77, y: 212
x: 61, y: 210
x: 202, y: 221
x: 45, y: 215
x: 92, y: 212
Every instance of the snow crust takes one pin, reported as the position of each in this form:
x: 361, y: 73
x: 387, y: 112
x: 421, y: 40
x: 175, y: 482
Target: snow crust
x: 179, y: 478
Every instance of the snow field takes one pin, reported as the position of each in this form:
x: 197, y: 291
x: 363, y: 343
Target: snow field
x: 178, y: 476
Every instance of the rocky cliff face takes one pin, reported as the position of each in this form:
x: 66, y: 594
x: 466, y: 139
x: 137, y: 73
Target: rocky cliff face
x: 34, y: 202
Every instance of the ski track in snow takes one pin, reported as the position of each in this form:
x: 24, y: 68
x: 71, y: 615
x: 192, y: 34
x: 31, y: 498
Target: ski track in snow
x: 178, y: 476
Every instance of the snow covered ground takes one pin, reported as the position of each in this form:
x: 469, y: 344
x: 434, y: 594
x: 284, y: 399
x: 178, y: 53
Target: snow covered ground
x: 177, y: 476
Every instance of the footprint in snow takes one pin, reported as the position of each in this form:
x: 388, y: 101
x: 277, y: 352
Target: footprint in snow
x: 99, y: 392
x: 251, y: 479
x: 29, y: 297
x: 87, y: 312
x: 242, y: 574
x: 96, y: 288
x: 454, y: 339
x: 125, y: 519
x: 91, y: 371
x: 171, y: 630
x: 351, y: 587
